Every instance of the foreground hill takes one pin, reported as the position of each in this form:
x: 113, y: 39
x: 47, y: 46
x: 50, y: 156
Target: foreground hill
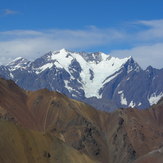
x: 45, y: 126
x: 103, y: 81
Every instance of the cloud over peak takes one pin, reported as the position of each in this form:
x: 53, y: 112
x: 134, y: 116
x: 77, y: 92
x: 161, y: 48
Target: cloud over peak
x: 145, y: 43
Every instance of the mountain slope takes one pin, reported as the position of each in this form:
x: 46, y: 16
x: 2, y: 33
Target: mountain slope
x: 51, y: 127
x: 53, y: 114
x: 19, y: 145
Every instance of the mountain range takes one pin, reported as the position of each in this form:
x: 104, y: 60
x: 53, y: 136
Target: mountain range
x: 44, y: 126
x: 98, y: 79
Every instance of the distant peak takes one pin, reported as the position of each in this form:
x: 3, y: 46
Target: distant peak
x: 18, y: 62
x: 150, y: 69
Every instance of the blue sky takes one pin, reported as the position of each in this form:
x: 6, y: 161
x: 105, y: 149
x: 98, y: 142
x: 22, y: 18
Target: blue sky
x: 30, y: 28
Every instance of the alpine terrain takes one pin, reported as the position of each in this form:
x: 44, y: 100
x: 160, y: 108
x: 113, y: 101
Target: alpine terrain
x: 47, y: 127
x: 98, y: 79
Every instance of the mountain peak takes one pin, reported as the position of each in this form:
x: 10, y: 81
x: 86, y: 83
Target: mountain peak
x: 149, y: 68
x: 18, y: 59
x: 132, y: 65
x: 18, y: 62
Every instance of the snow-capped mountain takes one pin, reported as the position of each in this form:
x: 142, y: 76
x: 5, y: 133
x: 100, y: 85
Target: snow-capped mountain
x: 98, y: 79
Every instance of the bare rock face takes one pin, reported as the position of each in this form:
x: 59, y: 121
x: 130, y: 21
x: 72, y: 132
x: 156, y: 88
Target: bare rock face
x: 46, y: 126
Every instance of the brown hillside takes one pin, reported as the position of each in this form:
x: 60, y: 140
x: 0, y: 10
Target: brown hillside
x: 46, y: 126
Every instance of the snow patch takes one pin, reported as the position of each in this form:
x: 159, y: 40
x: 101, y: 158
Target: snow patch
x: 132, y: 104
x: 44, y: 67
x: 67, y: 86
x: 129, y: 69
x: 57, y: 64
x: 111, y: 78
x: 120, y: 92
x: 11, y: 75
x: 73, y: 95
x: 123, y: 99
x: 153, y: 99
x: 70, y: 89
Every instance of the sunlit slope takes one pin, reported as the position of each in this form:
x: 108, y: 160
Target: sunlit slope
x: 18, y: 145
x: 49, y: 126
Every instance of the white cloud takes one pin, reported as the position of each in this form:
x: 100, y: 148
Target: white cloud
x: 152, y: 23
x: 149, y: 44
x: 31, y: 44
x: 152, y: 32
x: 144, y: 55
x: 145, y: 39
